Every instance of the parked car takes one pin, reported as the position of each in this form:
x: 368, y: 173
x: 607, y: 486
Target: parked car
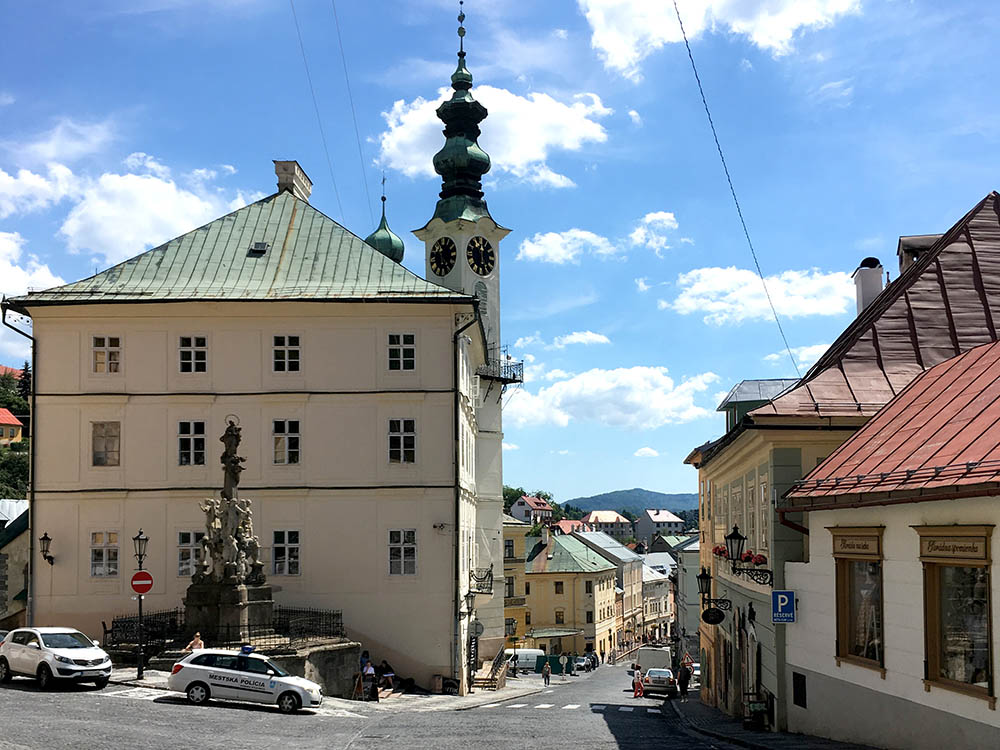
x: 660, y: 681
x: 241, y: 676
x: 595, y: 660
x: 3, y: 634
x: 52, y: 655
x: 582, y: 662
x: 526, y: 657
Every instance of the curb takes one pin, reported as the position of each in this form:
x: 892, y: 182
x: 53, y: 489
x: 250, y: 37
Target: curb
x: 717, y: 735
x: 136, y: 683
x: 502, y: 700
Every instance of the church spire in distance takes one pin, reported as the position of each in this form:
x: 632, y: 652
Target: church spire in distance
x: 383, y: 239
x: 461, y: 162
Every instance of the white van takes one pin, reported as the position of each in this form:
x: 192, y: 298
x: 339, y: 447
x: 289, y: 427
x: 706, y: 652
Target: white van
x: 526, y: 657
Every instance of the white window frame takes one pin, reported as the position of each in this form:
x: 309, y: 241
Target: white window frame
x: 188, y: 552
x: 196, y: 344
x: 106, y: 564
x: 402, y: 541
x: 190, y: 439
x: 102, y: 427
x: 286, y: 353
x: 106, y: 357
x: 399, y: 437
x: 402, y: 351
x: 290, y: 562
x: 765, y: 513
x: 287, y: 441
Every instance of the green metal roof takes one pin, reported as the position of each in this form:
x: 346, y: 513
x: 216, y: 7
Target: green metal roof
x: 308, y: 256
x: 569, y: 555
x: 552, y: 632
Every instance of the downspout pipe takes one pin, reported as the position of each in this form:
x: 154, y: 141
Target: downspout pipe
x: 30, y: 604
x: 791, y: 524
x: 456, y: 650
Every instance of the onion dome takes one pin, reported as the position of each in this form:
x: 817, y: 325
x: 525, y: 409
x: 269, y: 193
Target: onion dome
x: 385, y: 241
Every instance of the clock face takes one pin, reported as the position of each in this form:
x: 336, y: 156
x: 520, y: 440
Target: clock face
x: 443, y: 256
x: 481, y: 256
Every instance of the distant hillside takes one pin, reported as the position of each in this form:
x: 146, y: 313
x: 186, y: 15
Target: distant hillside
x: 636, y: 501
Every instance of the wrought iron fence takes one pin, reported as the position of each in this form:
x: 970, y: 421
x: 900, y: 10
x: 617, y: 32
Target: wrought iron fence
x: 159, y: 629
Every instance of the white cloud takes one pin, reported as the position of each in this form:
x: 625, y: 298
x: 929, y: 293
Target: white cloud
x: 561, y: 33
x: 140, y: 161
x: 732, y: 295
x: 524, y: 342
x: 805, y: 356
x: 836, y: 93
x: 562, y: 452
x: 625, y: 32
x: 634, y: 116
x: 557, y: 374
x: 651, y: 231
x: 746, y: 65
x: 565, y: 247
x: 646, y: 452
x: 579, y: 337
x: 641, y: 285
x: 6, y: 99
x: 20, y: 272
x: 228, y: 168
x: 414, y: 132
x: 67, y: 141
x: 511, y: 447
x: 642, y: 398
x: 28, y: 191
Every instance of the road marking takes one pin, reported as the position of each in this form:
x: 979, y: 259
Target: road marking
x: 548, y: 691
x: 597, y: 708
x: 625, y: 708
x: 141, y: 693
x: 544, y: 705
x: 492, y: 705
x: 570, y: 706
x: 517, y: 705
x: 652, y: 710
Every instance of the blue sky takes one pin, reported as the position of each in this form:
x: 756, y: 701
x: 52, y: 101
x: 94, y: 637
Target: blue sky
x: 626, y: 281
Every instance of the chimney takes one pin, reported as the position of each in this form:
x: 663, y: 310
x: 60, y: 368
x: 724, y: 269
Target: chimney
x: 868, y: 282
x: 545, y: 536
x: 292, y: 177
x: 910, y: 249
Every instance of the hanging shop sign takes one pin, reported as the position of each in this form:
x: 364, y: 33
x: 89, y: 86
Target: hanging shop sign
x: 713, y: 616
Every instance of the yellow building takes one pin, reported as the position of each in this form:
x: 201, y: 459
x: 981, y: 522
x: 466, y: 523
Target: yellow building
x: 10, y: 428
x: 570, y: 596
x: 514, y: 593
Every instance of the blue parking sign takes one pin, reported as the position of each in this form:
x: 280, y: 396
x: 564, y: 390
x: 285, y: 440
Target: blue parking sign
x: 782, y: 606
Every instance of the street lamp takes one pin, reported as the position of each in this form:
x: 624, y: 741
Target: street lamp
x: 43, y: 546
x: 734, y: 545
x: 704, y: 579
x: 140, y: 542
x: 734, y: 549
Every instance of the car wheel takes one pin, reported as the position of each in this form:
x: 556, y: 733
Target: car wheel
x: 101, y: 683
x: 288, y: 703
x: 197, y: 693
x: 45, y: 679
x: 5, y: 674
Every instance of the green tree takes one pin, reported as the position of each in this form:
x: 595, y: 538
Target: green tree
x: 13, y: 474
x: 572, y: 512
x: 511, y: 495
x: 9, y: 398
x: 632, y: 517
x: 24, y: 382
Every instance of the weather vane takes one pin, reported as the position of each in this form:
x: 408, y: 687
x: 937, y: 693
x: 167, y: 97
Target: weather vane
x: 461, y: 29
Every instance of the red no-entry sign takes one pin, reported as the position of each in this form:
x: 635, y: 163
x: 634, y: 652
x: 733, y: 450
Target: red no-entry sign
x: 142, y: 582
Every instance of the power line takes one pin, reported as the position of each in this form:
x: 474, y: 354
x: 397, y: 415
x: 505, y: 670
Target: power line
x: 319, y: 120
x: 354, y: 116
x: 732, y: 190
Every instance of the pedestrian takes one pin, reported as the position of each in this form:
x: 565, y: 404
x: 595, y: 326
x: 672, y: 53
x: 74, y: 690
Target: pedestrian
x: 602, y: 657
x: 637, y: 682
x: 546, y: 672
x: 683, y: 678
x: 196, y: 643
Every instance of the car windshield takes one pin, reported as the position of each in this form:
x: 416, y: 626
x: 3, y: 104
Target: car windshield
x: 66, y: 640
x: 277, y: 670
x: 659, y: 673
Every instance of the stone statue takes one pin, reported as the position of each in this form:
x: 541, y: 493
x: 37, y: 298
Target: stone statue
x: 230, y: 551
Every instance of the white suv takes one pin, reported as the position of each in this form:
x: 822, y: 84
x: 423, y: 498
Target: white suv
x: 241, y: 676
x: 51, y: 654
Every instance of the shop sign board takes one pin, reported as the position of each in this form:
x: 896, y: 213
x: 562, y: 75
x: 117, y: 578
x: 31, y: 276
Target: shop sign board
x: 782, y: 606
x: 713, y: 616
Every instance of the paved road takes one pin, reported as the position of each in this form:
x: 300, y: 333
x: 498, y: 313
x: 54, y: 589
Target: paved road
x: 592, y: 711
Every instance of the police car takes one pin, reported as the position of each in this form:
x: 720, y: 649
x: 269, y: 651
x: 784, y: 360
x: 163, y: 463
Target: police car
x: 241, y: 676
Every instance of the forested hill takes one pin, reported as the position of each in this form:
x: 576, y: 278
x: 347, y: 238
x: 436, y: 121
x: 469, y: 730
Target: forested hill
x: 636, y: 501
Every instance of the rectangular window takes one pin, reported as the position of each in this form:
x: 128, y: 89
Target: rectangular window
x: 106, y: 443
x: 104, y: 554
x: 508, y: 586
x: 285, y: 553
x: 402, y: 351
x: 560, y: 617
x: 527, y: 617
x: 287, y: 356
x: 559, y: 587
x: 286, y: 441
x: 402, y: 552
x: 509, y: 626
x: 957, y: 607
x: 107, y: 355
x: 527, y: 588
x: 588, y: 587
x: 590, y: 615
x: 402, y: 441
x: 193, y: 351
x: 858, y: 555
x: 508, y: 548
x: 191, y: 443
x: 765, y: 516
x: 188, y: 551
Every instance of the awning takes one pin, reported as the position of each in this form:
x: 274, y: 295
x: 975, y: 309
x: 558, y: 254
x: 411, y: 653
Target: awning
x: 552, y: 632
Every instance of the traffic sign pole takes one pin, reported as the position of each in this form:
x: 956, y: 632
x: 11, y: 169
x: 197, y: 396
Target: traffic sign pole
x: 142, y: 582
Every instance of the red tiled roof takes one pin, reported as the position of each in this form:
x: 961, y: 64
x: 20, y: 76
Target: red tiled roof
x: 943, y: 305
x: 568, y: 526
x: 4, y: 370
x: 7, y: 418
x: 536, y: 502
x: 939, y: 437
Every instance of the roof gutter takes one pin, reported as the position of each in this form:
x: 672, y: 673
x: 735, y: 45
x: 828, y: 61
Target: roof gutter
x: 30, y: 603
x: 929, y: 497
x: 791, y: 524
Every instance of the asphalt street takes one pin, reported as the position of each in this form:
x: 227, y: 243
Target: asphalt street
x: 593, y: 710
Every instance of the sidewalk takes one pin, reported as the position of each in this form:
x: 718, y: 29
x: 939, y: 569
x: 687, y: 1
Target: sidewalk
x: 713, y: 723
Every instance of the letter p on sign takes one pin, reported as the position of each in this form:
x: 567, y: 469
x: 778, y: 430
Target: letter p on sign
x: 782, y: 606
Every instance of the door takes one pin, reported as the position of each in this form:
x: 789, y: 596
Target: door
x: 256, y: 685
x: 31, y: 654
x: 223, y: 677
x: 15, y: 650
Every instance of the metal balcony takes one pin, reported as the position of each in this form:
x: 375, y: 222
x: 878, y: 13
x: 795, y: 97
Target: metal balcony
x: 504, y: 371
x: 481, y: 580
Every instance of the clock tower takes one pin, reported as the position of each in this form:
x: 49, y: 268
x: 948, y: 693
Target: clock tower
x: 462, y: 240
